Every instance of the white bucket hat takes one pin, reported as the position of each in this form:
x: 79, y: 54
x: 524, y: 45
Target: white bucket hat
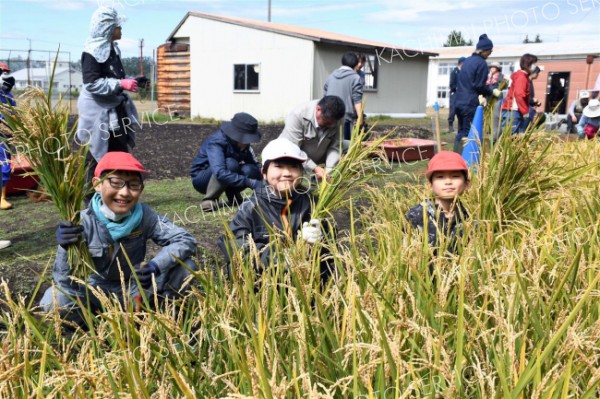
x: 593, y: 109
x: 282, y: 148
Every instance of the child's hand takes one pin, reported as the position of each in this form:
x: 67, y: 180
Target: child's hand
x: 145, y: 272
x: 311, y: 231
x: 68, y: 234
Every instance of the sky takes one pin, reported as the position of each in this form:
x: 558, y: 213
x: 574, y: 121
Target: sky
x: 419, y: 24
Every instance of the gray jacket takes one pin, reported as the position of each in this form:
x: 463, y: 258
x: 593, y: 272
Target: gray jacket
x: 108, y: 256
x: 320, y: 145
x: 345, y: 83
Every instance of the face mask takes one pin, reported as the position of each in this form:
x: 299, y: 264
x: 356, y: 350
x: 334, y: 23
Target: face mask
x: 110, y: 215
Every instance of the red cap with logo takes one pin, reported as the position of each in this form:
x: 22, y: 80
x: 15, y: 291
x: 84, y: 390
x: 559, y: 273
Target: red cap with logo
x: 118, y: 160
x: 446, y: 161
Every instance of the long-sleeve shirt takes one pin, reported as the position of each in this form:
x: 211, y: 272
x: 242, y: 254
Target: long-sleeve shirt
x: 319, y: 144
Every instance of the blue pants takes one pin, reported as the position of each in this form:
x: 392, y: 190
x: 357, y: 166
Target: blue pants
x: 452, y: 109
x: 5, y: 162
x: 465, y: 115
x: 200, y: 181
x: 519, y: 124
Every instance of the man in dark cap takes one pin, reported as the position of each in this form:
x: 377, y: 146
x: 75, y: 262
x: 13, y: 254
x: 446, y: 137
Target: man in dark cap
x: 452, y: 100
x: 470, y: 85
x: 226, y: 163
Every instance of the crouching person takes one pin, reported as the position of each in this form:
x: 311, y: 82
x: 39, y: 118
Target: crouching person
x: 116, y: 227
x: 226, y: 163
x: 443, y: 214
x: 281, y: 205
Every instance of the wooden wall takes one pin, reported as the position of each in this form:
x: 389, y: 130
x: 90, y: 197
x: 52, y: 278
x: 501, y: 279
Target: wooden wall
x: 173, y: 78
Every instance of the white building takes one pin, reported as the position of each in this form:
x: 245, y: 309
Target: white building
x: 567, y: 69
x: 64, y: 77
x: 215, y: 66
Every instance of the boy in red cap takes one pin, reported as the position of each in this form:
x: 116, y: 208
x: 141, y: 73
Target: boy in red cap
x: 448, y: 176
x: 116, y: 227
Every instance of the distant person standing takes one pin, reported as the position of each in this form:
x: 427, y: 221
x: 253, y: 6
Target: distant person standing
x: 345, y: 83
x: 471, y: 84
x: 6, y: 100
x: 495, y: 76
x: 515, y: 108
x: 452, y: 100
x: 106, y: 113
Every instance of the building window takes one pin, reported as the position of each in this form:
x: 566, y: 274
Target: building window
x: 444, y: 68
x: 246, y: 77
x: 370, y: 70
x: 507, y: 67
x: 442, y: 92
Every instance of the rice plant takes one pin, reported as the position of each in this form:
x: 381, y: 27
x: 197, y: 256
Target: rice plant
x: 38, y: 128
x: 515, y: 314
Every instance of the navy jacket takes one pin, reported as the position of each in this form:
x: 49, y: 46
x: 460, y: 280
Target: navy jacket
x: 454, y: 79
x: 471, y: 82
x: 437, y: 223
x: 263, y: 212
x: 212, y: 154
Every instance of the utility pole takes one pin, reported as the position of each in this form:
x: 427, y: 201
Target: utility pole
x: 269, y: 15
x: 141, y: 57
x: 29, y: 64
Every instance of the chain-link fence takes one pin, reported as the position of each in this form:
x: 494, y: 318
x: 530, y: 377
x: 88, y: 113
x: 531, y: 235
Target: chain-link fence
x: 34, y: 68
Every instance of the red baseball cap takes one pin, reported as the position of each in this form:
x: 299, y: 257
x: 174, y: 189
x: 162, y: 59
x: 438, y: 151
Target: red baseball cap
x: 118, y: 160
x: 444, y: 161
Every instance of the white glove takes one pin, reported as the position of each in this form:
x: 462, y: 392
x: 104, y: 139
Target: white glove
x: 482, y: 101
x: 497, y: 93
x: 579, y: 130
x: 311, y: 231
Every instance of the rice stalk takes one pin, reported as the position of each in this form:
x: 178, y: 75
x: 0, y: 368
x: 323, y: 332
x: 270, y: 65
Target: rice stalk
x: 39, y: 128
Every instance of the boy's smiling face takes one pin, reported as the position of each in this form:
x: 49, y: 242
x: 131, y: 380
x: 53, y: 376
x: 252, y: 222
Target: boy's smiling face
x: 283, y: 177
x: 448, y: 184
x: 120, y: 200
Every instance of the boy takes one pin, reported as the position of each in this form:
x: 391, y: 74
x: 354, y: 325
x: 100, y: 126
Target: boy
x: 279, y: 204
x: 113, y: 225
x: 448, y: 176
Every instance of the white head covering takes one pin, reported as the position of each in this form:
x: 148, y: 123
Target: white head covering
x: 103, y: 23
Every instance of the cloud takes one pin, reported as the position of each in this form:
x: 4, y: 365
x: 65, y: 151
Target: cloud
x: 64, y: 5
x: 311, y: 11
x: 411, y: 11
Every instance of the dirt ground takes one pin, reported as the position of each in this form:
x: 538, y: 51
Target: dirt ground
x: 167, y: 151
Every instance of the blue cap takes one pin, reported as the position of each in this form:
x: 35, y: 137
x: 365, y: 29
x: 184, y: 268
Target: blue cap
x: 462, y: 59
x: 484, y: 43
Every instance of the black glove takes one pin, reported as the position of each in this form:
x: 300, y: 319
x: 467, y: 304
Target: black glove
x: 67, y: 234
x: 145, y: 274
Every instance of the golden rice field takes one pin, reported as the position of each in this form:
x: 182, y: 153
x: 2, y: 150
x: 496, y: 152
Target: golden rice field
x: 515, y: 315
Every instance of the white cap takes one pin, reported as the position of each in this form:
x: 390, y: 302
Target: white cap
x: 584, y: 94
x: 282, y: 148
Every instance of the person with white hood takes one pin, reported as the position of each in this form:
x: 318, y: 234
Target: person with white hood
x: 106, y: 113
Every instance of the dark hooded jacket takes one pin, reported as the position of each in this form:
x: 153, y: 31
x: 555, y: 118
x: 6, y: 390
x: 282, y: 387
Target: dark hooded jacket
x: 438, y: 223
x: 263, y: 212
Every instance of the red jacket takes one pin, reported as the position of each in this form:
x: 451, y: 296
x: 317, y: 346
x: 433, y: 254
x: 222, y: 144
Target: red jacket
x: 519, y: 90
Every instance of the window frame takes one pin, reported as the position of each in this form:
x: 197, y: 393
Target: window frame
x: 246, y: 66
x: 370, y: 60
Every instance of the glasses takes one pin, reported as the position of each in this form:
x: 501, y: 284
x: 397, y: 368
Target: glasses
x: 118, y: 184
